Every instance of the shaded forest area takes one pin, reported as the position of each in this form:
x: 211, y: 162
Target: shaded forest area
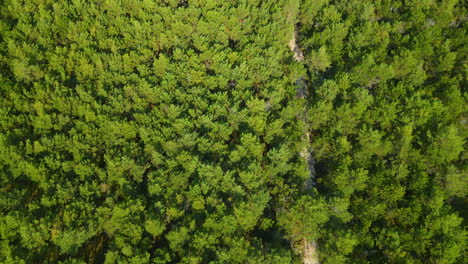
x: 187, y: 131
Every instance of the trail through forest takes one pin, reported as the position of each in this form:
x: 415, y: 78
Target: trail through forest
x: 309, y: 248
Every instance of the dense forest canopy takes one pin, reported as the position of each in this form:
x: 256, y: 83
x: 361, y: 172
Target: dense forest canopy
x: 250, y: 131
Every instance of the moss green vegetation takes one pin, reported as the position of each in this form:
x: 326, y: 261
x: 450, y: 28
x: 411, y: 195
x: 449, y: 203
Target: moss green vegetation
x: 185, y: 131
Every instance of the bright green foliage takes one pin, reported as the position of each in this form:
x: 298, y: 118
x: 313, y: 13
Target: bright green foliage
x: 170, y: 131
x: 388, y: 123
x: 305, y: 219
x: 141, y: 131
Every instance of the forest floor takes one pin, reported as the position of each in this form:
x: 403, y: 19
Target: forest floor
x: 310, y: 253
